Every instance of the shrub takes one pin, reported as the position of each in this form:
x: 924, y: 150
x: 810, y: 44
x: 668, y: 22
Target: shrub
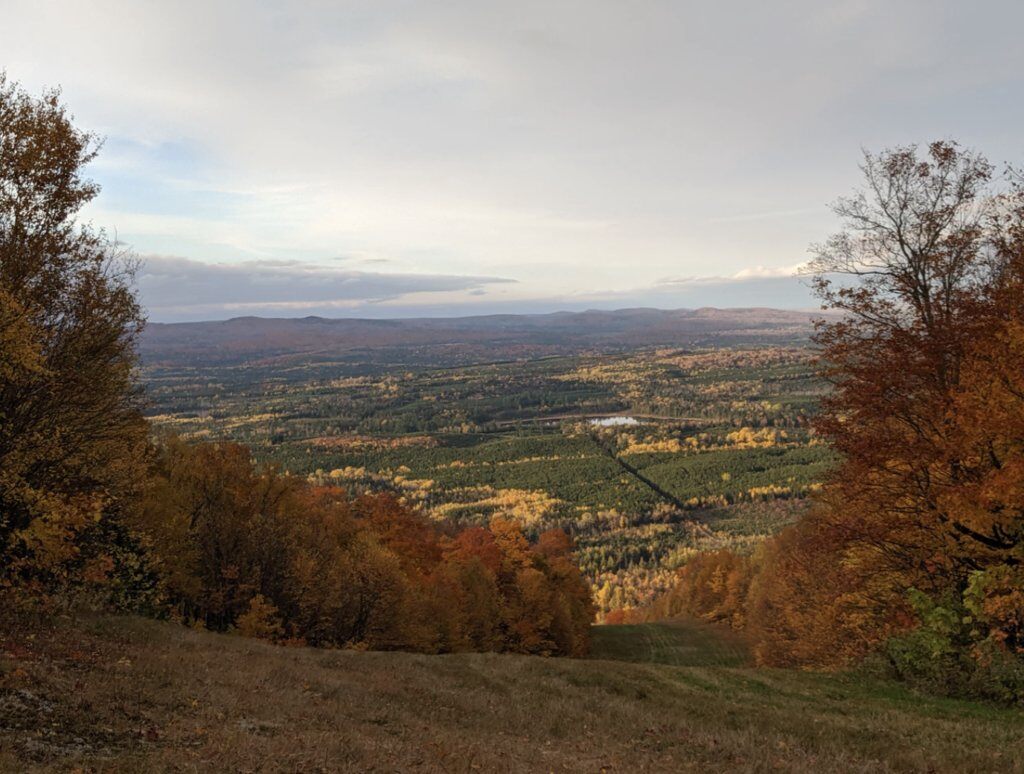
x: 949, y: 653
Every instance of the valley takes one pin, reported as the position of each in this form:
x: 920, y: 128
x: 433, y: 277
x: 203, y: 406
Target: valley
x: 645, y: 454
x: 455, y: 387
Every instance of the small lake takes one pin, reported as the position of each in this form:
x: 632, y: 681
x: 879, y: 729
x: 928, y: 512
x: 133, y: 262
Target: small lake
x: 615, y: 422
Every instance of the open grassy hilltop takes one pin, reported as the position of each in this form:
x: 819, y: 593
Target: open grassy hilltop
x: 118, y: 694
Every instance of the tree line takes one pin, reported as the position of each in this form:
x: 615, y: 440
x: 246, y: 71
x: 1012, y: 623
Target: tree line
x: 92, y: 505
x: 241, y: 546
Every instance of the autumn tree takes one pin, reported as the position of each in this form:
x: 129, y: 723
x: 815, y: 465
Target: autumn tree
x: 240, y: 546
x: 71, y: 435
x: 926, y: 277
x: 472, y: 562
x: 925, y: 367
x: 216, y: 527
x: 917, y: 244
x: 915, y: 546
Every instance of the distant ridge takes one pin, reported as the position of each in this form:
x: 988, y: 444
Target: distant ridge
x: 242, y: 339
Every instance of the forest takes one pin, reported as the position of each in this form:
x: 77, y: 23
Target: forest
x: 716, y: 448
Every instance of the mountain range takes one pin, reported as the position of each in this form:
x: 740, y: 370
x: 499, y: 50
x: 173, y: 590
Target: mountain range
x: 467, y: 339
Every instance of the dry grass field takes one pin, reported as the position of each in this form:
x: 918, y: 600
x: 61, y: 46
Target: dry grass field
x: 126, y: 694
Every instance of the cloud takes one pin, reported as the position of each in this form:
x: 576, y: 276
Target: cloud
x: 580, y: 146
x: 764, y: 272
x: 743, y: 275
x: 174, y: 288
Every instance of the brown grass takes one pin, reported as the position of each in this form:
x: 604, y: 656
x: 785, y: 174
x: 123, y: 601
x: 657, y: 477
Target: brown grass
x: 125, y: 694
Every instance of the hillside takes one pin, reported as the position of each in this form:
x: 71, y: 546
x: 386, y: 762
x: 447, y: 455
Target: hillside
x: 118, y: 694
x: 461, y: 340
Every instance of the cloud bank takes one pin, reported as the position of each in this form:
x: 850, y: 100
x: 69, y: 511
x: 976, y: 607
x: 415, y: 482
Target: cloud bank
x: 174, y: 288
x: 177, y: 289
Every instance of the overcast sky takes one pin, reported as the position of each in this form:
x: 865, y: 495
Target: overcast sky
x: 401, y: 158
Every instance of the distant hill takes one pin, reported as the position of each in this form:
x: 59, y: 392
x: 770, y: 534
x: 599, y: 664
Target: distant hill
x: 466, y: 339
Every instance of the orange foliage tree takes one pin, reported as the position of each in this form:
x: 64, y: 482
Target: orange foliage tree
x: 918, y: 535
x: 241, y: 546
x: 71, y: 434
x: 922, y: 368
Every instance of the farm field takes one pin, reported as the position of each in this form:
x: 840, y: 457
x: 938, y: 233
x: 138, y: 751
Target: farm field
x: 127, y: 694
x: 646, y: 456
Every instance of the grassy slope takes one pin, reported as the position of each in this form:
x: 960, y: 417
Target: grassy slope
x: 133, y: 695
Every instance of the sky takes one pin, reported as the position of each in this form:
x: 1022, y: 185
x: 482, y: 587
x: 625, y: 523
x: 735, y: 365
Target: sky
x: 396, y: 159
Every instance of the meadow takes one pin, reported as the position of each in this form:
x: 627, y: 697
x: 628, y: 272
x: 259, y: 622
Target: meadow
x: 128, y: 694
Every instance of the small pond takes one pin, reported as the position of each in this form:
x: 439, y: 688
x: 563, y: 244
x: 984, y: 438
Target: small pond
x: 616, y: 421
